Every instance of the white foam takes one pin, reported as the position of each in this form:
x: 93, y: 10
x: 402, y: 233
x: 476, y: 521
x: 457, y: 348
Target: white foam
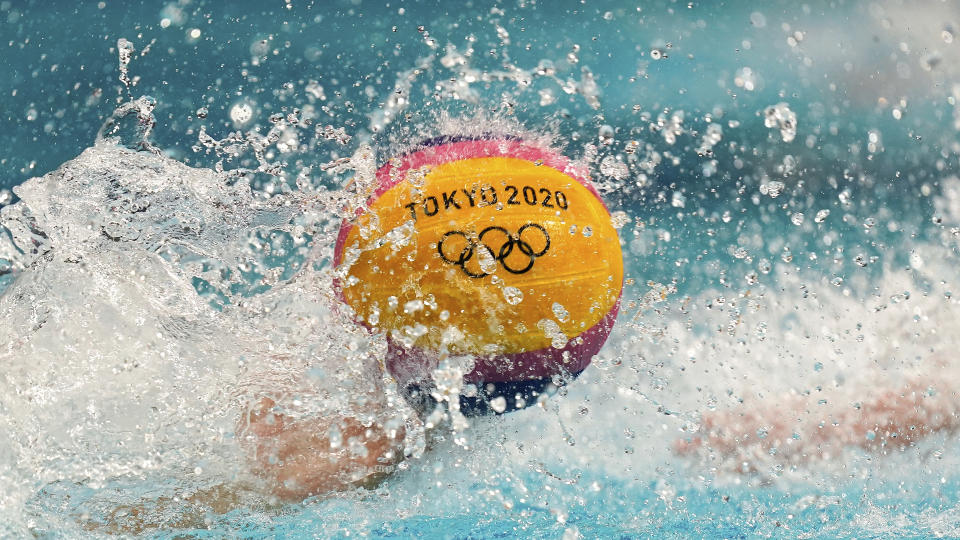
x: 114, y: 366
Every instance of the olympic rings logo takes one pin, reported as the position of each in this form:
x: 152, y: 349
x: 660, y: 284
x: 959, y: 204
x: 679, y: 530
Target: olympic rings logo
x: 476, y: 256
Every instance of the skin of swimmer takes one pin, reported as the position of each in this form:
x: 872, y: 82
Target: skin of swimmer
x: 799, y: 428
x: 297, y: 458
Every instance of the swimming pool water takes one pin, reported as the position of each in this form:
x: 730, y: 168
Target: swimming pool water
x: 788, y: 178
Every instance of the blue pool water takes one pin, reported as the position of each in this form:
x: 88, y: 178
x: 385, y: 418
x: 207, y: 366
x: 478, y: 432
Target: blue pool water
x: 788, y: 181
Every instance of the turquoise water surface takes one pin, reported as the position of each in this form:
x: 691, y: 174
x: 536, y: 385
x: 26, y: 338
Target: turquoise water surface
x: 785, y: 177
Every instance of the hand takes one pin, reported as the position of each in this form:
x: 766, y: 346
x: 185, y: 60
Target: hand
x: 300, y: 458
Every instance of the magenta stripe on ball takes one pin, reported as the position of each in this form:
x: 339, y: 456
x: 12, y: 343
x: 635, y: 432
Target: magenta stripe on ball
x: 413, y: 364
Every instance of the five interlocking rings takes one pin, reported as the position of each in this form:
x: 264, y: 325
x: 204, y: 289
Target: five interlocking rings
x: 511, y: 241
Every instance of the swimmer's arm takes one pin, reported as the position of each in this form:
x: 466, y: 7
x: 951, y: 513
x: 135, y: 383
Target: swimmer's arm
x: 293, y: 460
x: 306, y: 457
x: 815, y: 427
x: 898, y: 417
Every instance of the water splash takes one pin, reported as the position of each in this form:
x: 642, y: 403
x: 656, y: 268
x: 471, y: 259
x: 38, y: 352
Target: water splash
x: 125, y: 50
x: 114, y: 248
x: 781, y: 117
x: 141, y: 110
x: 232, y: 269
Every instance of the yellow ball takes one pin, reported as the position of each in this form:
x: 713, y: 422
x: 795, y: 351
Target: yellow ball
x: 489, y: 247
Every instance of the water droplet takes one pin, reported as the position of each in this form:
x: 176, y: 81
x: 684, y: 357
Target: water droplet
x: 678, y: 200
x: 916, y: 261
x: 606, y: 134
x: 486, y: 260
x: 512, y: 295
x: 780, y: 116
x: 747, y: 78
x: 614, y: 168
x: 757, y: 19
x: 125, y: 52
x: 335, y: 436
x: 416, y: 330
x: 773, y: 188
x: 498, y: 404
x: 241, y: 113
x: 412, y: 306
x: 619, y: 218
x: 761, y: 331
x: 560, y: 312
x: 551, y: 330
